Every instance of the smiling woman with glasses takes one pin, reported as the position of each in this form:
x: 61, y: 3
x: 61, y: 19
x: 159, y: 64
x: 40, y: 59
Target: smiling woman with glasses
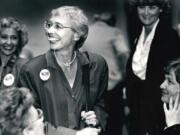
x: 58, y: 26
x: 68, y: 85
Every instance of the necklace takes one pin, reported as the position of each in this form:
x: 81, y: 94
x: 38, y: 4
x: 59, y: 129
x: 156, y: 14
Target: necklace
x: 67, y: 64
x: 67, y: 69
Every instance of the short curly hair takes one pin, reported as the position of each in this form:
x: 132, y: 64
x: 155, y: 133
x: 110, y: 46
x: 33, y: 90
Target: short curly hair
x: 165, y: 5
x: 14, y: 104
x: 173, y: 65
x: 10, y: 22
x: 79, y: 21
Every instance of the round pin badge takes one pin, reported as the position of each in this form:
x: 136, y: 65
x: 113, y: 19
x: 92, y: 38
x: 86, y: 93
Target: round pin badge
x: 44, y: 74
x: 8, y: 79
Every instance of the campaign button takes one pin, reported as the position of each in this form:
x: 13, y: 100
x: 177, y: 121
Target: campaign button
x: 8, y: 79
x: 44, y: 74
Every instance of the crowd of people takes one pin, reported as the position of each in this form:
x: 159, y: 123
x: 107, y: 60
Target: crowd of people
x: 90, y: 81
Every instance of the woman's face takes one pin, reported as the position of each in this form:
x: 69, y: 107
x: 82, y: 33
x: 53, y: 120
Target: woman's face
x: 170, y: 87
x: 148, y: 14
x: 8, y: 41
x: 34, y: 121
x: 59, y: 32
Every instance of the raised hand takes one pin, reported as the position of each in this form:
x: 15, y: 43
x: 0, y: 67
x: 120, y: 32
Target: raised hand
x: 172, y: 114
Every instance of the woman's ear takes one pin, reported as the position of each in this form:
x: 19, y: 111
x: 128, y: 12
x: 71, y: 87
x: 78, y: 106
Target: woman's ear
x: 161, y: 10
x: 76, y: 36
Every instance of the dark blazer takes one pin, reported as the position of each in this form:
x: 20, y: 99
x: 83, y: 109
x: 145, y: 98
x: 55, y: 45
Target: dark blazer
x: 144, y: 97
x: 173, y: 130
x: 50, y: 94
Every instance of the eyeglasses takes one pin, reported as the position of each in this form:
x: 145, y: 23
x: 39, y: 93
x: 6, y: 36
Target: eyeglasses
x: 58, y: 26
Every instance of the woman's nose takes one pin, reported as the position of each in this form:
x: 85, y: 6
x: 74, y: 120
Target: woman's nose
x: 162, y: 86
x: 8, y: 41
x: 146, y: 10
x: 50, y: 29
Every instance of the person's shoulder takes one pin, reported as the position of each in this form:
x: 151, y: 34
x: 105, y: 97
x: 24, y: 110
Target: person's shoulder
x: 96, y: 58
x: 173, y: 130
x: 35, y: 62
x: 21, y: 61
x: 165, y: 26
x: 166, y: 32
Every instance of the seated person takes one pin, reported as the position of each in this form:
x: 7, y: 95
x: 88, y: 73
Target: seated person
x: 17, y: 113
x: 171, y: 97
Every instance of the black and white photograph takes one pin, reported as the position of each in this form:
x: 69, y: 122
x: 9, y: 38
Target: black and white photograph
x: 90, y: 67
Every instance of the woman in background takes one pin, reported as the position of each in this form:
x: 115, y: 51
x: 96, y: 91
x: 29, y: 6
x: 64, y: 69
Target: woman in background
x: 13, y: 37
x: 154, y: 44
